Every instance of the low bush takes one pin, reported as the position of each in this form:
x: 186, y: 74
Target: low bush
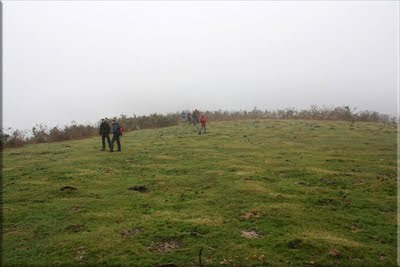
x: 42, y: 134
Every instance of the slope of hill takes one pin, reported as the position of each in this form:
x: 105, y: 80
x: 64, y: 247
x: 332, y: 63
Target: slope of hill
x: 246, y: 193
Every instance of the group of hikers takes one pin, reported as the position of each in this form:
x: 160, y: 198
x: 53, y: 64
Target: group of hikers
x: 104, y: 131
x: 195, y: 118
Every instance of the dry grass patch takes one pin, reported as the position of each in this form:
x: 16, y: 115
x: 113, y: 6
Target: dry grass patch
x: 331, y: 238
x: 321, y: 170
x: 252, y: 186
x: 102, y: 215
x: 205, y: 220
x: 164, y: 157
x: 165, y: 246
x: 35, y: 182
x: 250, y: 234
x: 280, y: 196
x: 130, y: 232
x: 250, y: 214
x: 191, y: 218
x: 85, y: 172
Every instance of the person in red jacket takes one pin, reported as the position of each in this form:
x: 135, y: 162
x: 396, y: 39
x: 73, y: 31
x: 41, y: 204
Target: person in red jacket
x: 203, y: 122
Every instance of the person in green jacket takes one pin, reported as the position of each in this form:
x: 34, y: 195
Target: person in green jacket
x: 116, y: 131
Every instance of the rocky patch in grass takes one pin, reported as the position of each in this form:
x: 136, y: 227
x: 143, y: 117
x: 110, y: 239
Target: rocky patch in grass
x: 165, y: 246
x: 250, y: 234
x: 140, y: 188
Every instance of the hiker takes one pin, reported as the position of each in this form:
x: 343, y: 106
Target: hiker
x: 104, y: 131
x: 203, y: 122
x: 189, y: 118
x: 183, y: 116
x: 195, y: 117
x: 116, y: 131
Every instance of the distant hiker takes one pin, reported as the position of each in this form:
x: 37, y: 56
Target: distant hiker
x: 104, y: 131
x: 203, y: 122
x: 117, y: 132
x: 195, y: 116
x: 189, y: 118
x: 183, y: 116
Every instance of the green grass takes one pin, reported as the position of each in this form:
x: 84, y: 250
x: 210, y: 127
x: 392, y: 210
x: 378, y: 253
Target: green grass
x: 306, y: 187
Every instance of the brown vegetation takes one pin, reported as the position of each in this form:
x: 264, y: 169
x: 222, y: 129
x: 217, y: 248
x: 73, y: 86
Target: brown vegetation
x: 43, y: 134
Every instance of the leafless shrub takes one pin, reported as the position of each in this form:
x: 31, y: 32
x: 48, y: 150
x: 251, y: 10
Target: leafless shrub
x: 343, y: 113
x: 12, y: 138
x: 42, y: 134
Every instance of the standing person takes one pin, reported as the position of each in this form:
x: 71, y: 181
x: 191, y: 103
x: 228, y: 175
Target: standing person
x: 203, y: 122
x: 116, y: 131
x: 189, y: 117
x: 195, y: 117
x: 104, y: 131
x: 197, y: 114
x: 183, y: 116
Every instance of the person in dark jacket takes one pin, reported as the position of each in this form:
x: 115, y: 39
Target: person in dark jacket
x: 116, y: 131
x: 104, y: 131
x: 195, y: 116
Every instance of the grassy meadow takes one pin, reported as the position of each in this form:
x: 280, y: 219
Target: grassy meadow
x: 247, y: 193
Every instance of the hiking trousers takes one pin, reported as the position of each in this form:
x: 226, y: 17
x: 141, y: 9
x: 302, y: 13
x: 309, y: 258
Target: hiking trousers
x: 115, y: 138
x: 103, y: 139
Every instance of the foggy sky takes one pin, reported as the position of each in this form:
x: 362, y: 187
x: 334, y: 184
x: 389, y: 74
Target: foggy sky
x: 82, y: 61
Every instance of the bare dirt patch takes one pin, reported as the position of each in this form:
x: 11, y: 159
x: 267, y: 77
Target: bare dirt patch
x: 76, y: 208
x: 334, y: 253
x: 140, y: 188
x: 355, y: 228
x: 110, y: 171
x: 166, y: 246
x: 250, y: 214
x: 295, y: 243
x: 80, y: 253
x: 68, y: 188
x: 250, y: 234
x: 74, y: 228
x: 131, y: 232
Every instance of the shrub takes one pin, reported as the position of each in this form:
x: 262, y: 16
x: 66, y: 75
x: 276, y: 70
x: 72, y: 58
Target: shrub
x: 42, y: 134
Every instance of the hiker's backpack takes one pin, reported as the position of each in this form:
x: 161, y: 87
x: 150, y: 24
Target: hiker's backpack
x: 120, y: 130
